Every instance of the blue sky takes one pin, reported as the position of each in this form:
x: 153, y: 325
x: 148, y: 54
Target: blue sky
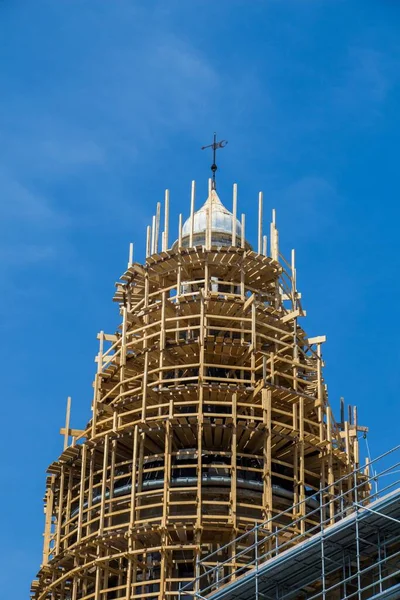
x: 103, y: 105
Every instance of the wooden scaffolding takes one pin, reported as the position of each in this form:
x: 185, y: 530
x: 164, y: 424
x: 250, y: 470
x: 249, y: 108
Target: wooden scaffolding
x: 210, y: 414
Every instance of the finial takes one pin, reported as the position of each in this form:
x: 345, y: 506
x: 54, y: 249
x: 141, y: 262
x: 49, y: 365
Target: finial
x: 215, y: 145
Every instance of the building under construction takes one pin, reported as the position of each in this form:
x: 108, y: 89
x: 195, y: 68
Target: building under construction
x: 212, y: 465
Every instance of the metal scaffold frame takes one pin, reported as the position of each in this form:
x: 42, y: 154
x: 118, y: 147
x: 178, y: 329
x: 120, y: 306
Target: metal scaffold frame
x: 210, y: 414
x: 356, y: 557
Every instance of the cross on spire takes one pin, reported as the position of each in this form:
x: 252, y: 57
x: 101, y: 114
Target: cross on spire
x: 215, y: 146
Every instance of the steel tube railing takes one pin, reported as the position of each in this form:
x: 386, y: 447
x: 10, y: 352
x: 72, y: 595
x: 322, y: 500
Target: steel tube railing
x: 348, y: 501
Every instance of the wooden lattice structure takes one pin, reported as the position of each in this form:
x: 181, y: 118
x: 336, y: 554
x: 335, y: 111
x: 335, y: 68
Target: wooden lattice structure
x: 210, y: 414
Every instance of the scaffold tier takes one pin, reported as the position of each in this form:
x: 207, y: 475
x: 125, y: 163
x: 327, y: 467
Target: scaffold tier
x: 210, y: 414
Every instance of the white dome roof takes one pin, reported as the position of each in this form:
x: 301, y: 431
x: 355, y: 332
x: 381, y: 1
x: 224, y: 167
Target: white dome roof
x: 221, y: 218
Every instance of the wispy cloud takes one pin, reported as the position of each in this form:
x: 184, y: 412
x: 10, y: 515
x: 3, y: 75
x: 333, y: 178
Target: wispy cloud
x: 21, y: 203
x: 125, y: 97
x: 311, y: 206
x: 364, y: 83
x: 26, y: 254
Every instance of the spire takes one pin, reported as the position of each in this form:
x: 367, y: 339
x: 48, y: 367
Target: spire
x: 214, y: 200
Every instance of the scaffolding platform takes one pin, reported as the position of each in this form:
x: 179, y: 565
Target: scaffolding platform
x: 356, y: 557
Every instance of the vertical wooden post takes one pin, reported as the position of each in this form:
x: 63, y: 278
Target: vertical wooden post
x: 166, y: 221
x: 347, y: 440
x: 153, y: 235
x: 320, y: 395
x: 148, y: 241
x: 199, y: 471
x: 260, y: 221
x: 48, y: 520
x: 179, y: 282
x: 192, y: 201
x: 144, y: 386
x: 122, y: 361
x: 301, y: 464
x: 167, y: 473
x: 274, y: 238
x: 97, y: 385
x: 242, y: 289
x: 342, y: 413
x: 162, y: 344
x: 356, y: 444
x: 68, y: 508
x: 106, y: 572
x: 163, y: 566
x: 234, y: 463
x: 266, y: 399
x: 145, y: 348
x: 97, y: 585
x: 132, y: 518
x: 162, y: 319
x: 92, y: 465
x: 276, y: 244
x: 112, y: 479
x: 139, y: 475
x: 331, y: 475
x: 209, y: 225
x: 253, y: 327
x: 295, y: 428
x: 234, y: 213
x: 82, y: 492
x: 200, y: 419
x: 60, y: 509
x: 157, y: 232
x: 294, y: 280
x: 130, y: 260
x: 67, y: 422
x: 128, y: 579
x: 233, y: 498
x: 75, y: 583
x: 206, y: 278
x: 243, y: 223
x: 180, y: 232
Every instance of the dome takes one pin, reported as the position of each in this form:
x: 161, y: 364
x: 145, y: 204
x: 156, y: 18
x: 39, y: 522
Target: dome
x: 221, y: 221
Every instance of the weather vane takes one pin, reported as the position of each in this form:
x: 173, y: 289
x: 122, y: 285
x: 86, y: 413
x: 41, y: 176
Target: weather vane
x: 215, y: 146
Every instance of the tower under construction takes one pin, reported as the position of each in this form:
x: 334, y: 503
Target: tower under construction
x: 210, y: 422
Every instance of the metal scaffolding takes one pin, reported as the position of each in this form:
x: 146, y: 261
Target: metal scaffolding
x: 357, y: 556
